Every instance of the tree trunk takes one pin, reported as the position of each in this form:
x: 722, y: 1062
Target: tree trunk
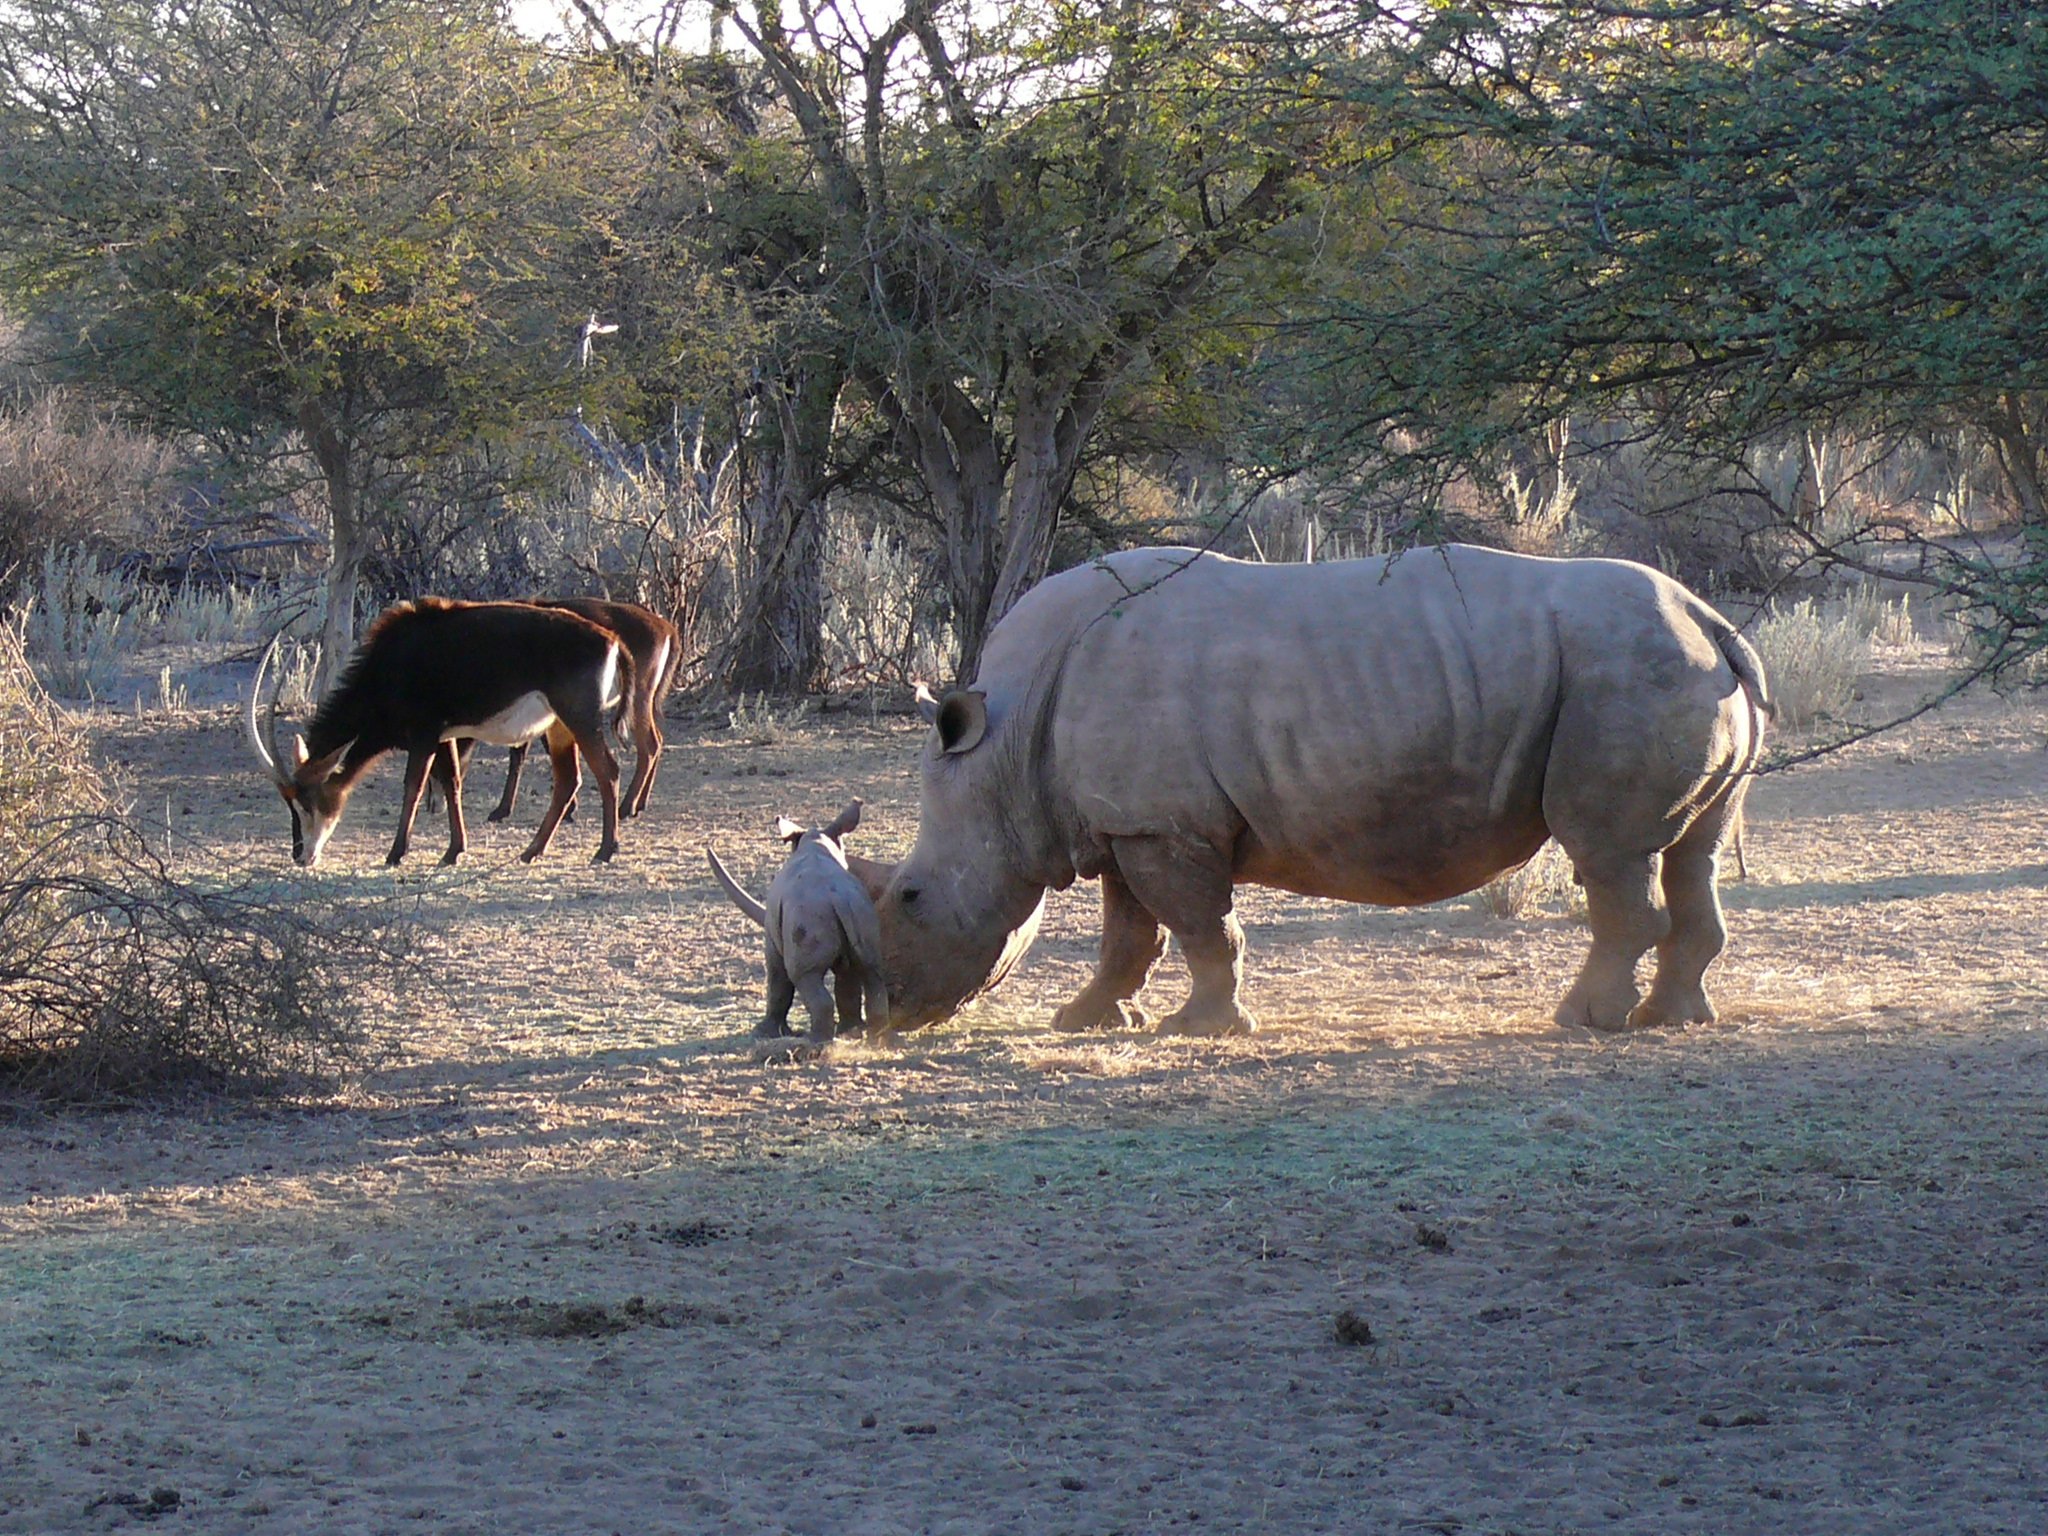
x: 348, y: 544
x: 2018, y: 442
x: 1049, y: 439
x: 972, y: 510
x: 779, y: 646
x: 999, y: 511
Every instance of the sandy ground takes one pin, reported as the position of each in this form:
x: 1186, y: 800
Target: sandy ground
x: 1411, y: 1259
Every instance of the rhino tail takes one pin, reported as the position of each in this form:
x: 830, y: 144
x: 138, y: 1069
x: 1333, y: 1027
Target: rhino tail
x: 1741, y: 656
x: 741, y: 898
x: 1748, y: 668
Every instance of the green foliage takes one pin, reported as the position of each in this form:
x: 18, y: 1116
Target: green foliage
x: 1030, y: 220
x: 1728, y: 216
x: 239, y: 206
x: 1712, y: 221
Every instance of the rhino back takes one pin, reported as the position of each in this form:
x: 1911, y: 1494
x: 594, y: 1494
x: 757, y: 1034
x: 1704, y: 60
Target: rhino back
x: 805, y: 901
x: 1359, y: 729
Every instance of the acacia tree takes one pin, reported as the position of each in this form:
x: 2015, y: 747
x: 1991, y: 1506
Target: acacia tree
x: 722, y: 317
x: 1716, y: 218
x: 1025, y: 217
x: 347, y: 220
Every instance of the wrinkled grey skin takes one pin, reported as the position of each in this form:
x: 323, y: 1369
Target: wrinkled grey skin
x: 818, y: 919
x: 1395, y: 732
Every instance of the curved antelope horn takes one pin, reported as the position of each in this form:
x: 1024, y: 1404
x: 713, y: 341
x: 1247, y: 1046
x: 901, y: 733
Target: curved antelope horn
x: 736, y: 891
x: 264, y: 739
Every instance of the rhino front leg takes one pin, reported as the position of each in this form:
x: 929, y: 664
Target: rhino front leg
x: 1188, y: 886
x: 846, y: 994
x: 1132, y: 942
x: 875, y: 989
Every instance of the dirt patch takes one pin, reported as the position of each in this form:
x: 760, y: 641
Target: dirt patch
x: 1410, y: 1258
x: 525, y: 1318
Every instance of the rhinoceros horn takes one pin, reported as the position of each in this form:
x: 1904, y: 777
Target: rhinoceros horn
x: 738, y: 892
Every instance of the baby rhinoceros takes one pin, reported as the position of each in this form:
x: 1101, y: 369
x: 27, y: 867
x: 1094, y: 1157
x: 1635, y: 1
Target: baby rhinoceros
x: 818, y: 917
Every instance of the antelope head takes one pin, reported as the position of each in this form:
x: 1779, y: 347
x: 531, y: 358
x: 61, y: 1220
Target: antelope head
x: 314, y: 790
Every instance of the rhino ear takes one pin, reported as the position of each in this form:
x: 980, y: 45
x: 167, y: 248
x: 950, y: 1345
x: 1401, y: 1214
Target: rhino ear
x: 927, y: 705
x: 844, y: 822
x: 787, y: 830
x: 962, y: 720
x: 872, y: 874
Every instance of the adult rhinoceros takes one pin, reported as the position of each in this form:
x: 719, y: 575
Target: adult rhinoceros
x: 1390, y: 731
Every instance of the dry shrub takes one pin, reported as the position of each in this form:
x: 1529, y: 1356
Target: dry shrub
x: 118, y: 979
x: 45, y: 769
x: 760, y: 722
x: 1812, y: 659
x: 1882, y: 620
x: 78, y: 621
x: 1545, y: 881
x: 68, y: 473
x: 881, y: 623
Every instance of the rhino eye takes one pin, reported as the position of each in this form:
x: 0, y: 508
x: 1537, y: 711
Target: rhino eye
x: 910, y: 894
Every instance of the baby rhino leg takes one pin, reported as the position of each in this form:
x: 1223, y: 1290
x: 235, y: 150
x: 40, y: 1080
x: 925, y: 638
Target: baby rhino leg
x: 818, y: 1003
x: 781, y: 993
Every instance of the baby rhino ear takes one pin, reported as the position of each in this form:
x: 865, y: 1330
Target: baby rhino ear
x: 787, y: 830
x: 843, y: 823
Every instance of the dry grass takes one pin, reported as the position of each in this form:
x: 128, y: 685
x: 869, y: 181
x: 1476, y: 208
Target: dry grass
x: 1813, y: 659
x: 578, y: 1250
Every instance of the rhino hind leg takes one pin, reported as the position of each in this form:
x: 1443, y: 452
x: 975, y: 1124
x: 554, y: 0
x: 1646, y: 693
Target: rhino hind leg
x: 1132, y: 942
x: 1698, y: 933
x: 774, y: 1023
x: 1216, y: 965
x: 1187, y: 886
x: 818, y: 1003
x: 1626, y: 911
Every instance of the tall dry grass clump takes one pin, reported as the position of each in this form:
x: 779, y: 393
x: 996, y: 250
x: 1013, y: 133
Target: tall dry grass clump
x: 45, y: 771
x: 70, y: 472
x: 120, y: 979
x: 1813, y: 658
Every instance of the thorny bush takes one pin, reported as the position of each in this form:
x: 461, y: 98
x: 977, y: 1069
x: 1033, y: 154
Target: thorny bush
x: 120, y: 979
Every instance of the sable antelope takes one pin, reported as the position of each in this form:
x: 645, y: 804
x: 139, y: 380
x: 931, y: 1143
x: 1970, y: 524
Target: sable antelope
x: 433, y: 672
x: 657, y: 653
